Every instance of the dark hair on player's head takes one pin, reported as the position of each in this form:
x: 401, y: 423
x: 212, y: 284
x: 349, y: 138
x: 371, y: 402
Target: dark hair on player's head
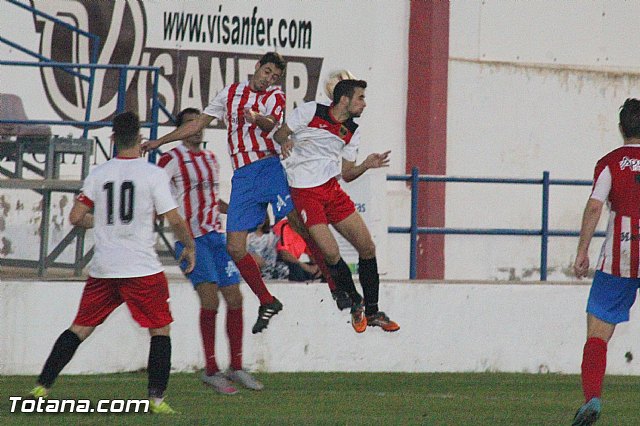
x: 347, y: 88
x: 181, y: 114
x: 630, y: 118
x: 274, y: 58
x: 126, y: 128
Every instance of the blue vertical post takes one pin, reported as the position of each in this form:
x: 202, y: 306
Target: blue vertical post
x: 545, y: 226
x: 122, y: 90
x: 153, y: 134
x: 93, y: 59
x: 413, y: 265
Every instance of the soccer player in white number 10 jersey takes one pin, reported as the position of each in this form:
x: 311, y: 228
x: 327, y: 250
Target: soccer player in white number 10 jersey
x: 119, y: 200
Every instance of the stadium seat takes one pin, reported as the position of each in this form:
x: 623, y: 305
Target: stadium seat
x: 11, y: 108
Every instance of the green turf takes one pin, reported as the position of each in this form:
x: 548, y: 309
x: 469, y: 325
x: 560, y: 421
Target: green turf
x: 344, y: 399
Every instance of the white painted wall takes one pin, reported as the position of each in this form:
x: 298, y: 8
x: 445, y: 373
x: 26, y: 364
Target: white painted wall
x: 533, y: 86
x: 453, y: 327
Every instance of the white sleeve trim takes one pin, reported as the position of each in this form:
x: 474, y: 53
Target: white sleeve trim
x: 602, y: 186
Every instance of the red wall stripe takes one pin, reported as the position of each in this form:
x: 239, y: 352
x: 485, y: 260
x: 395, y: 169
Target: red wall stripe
x: 426, y: 123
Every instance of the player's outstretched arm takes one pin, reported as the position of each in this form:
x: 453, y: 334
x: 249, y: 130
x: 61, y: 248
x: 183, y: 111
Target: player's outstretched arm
x: 188, y: 129
x: 181, y: 232
x: 590, y: 219
x: 374, y: 161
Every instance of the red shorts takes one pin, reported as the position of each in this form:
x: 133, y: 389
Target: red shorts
x: 326, y: 203
x: 147, y: 299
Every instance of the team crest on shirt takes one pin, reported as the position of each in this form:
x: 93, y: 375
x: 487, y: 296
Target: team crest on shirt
x: 632, y: 163
x: 343, y: 131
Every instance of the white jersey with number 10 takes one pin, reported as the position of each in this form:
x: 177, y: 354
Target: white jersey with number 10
x: 125, y: 195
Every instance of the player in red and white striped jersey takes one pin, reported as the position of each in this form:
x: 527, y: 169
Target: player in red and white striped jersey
x: 615, y: 182
x: 241, y: 107
x: 251, y: 110
x: 616, y: 280
x: 194, y: 174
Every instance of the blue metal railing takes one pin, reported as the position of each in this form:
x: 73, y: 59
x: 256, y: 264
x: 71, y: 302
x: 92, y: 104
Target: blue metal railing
x: 92, y: 66
x: 93, y: 55
x: 122, y: 89
x: 544, y: 232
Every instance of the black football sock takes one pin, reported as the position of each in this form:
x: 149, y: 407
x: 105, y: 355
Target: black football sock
x: 159, y: 365
x: 341, y: 274
x: 370, y: 281
x: 60, y: 355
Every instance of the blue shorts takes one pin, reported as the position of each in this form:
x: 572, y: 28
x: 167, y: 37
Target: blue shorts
x: 253, y: 188
x: 611, y: 297
x: 213, y: 263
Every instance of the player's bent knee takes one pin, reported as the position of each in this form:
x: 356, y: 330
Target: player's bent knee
x: 332, y: 258
x: 82, y: 331
x: 209, y: 303
x: 368, y: 251
x: 162, y: 331
x: 208, y: 294
x: 233, y: 297
x: 237, y: 252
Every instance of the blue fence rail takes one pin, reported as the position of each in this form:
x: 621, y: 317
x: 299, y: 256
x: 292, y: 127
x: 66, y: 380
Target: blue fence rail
x: 156, y: 105
x: 543, y: 232
x: 93, y: 53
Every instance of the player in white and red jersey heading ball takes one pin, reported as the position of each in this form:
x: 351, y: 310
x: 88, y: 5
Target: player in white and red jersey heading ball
x: 617, y: 277
x: 251, y: 109
x: 324, y: 147
x: 194, y: 173
x: 120, y: 200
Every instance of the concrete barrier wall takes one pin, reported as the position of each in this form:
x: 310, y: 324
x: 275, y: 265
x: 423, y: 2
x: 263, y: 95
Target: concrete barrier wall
x: 452, y: 327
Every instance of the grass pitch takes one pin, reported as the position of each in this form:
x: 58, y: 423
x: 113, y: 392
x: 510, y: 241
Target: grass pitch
x: 343, y: 399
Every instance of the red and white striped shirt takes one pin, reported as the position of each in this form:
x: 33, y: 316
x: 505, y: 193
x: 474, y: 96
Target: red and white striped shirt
x: 617, y: 182
x: 247, y: 142
x: 195, y: 185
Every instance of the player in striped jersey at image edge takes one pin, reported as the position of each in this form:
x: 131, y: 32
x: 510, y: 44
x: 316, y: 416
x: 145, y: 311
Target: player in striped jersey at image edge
x: 251, y: 110
x: 194, y: 174
x: 617, y: 278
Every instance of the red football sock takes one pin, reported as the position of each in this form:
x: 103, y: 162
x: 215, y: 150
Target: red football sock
x: 318, y: 257
x: 208, y: 332
x: 594, y: 363
x: 234, y: 332
x: 251, y: 273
